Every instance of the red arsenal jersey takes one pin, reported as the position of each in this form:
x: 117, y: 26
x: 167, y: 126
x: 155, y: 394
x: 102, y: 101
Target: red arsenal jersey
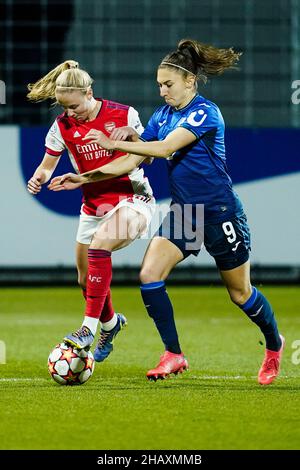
x: 67, y: 133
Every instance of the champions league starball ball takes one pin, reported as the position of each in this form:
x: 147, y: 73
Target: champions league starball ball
x: 70, y: 366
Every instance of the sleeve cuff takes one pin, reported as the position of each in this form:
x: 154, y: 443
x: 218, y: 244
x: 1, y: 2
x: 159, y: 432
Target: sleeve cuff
x: 191, y: 130
x: 53, y: 153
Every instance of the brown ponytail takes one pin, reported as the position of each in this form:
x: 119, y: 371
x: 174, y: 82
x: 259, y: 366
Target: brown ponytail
x: 201, y: 60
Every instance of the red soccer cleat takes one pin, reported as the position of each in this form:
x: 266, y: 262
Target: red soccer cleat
x: 271, y: 365
x: 169, y: 363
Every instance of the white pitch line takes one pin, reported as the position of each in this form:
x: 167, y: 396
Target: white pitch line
x: 35, y: 321
x: 22, y: 379
x: 194, y: 377
x: 128, y: 379
x: 232, y: 377
x: 221, y: 377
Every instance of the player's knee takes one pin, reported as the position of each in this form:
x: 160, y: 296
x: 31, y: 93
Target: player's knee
x: 240, y: 296
x: 148, y: 274
x: 99, y: 243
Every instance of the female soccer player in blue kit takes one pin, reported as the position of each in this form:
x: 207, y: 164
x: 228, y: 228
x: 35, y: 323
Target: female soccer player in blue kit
x: 189, y: 132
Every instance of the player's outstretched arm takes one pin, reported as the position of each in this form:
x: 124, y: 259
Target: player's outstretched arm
x: 119, y: 166
x: 67, y: 182
x: 42, y: 174
x: 176, y: 140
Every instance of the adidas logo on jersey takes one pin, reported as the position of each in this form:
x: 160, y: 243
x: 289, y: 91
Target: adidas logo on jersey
x: 76, y: 134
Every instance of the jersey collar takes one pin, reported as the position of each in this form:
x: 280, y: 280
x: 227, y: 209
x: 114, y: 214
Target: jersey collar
x: 187, y: 105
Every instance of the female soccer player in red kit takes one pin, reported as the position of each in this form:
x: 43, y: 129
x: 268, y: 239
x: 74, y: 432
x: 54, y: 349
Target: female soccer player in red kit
x: 114, y: 212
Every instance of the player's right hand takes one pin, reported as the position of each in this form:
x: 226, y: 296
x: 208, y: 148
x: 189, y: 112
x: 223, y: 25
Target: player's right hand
x: 124, y: 133
x: 34, y: 185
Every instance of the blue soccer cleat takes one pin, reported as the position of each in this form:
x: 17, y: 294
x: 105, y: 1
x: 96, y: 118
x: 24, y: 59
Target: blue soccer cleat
x: 105, y: 343
x: 80, y: 339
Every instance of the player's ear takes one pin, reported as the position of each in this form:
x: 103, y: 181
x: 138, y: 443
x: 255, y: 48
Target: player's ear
x: 190, y: 81
x: 89, y: 93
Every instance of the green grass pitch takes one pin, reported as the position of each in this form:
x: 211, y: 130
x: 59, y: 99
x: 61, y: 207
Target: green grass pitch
x: 217, y: 404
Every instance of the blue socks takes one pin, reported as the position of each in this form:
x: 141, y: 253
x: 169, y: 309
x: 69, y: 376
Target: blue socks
x: 258, y: 309
x: 160, y: 309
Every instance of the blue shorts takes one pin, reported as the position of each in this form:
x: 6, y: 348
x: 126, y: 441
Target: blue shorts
x: 227, y: 242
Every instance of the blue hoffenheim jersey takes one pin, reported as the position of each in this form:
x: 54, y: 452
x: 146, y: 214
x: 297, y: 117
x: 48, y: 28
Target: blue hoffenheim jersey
x: 198, y: 172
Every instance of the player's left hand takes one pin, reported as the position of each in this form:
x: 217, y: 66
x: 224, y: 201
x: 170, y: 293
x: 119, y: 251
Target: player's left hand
x: 97, y: 137
x: 67, y: 182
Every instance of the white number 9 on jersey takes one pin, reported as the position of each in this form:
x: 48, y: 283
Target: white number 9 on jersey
x: 229, y: 231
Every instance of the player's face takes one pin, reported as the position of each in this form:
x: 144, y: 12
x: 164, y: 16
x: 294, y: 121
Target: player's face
x: 174, y: 88
x: 76, y: 104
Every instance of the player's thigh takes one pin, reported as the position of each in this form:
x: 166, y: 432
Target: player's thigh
x: 160, y: 258
x: 228, y: 242
x: 119, y: 230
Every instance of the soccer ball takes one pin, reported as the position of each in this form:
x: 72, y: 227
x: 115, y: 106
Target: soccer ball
x: 70, y: 366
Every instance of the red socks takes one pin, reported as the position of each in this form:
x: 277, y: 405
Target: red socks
x: 98, y: 284
x: 108, y: 310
